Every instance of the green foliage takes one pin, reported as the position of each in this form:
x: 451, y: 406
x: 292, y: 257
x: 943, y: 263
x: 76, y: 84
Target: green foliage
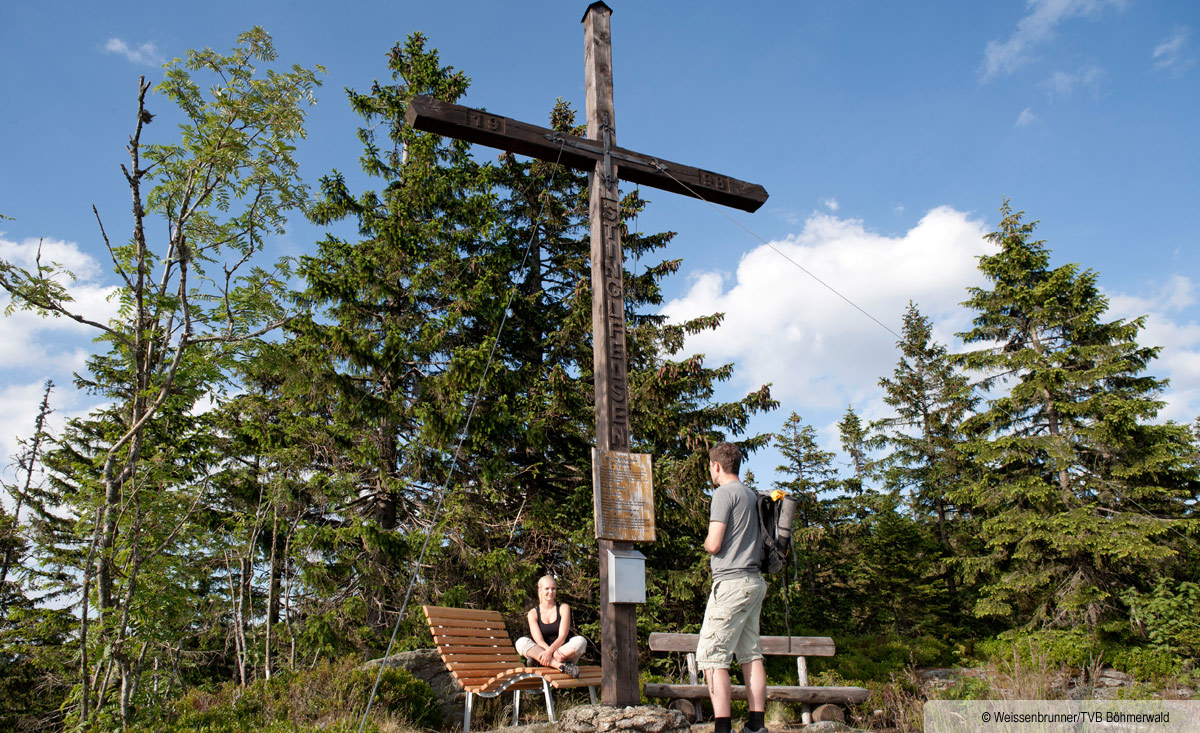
x: 35, y: 664
x: 1071, y: 647
x: 331, y: 693
x: 1146, y: 664
x: 967, y: 688
x: 931, y: 399
x: 816, y: 562
x: 131, y: 478
x: 1169, y: 615
x: 1073, y: 484
x: 879, y: 657
x: 895, y: 573
x: 448, y: 250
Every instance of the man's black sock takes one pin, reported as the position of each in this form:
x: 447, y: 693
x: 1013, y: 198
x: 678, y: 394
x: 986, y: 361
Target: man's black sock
x: 722, y: 725
x: 756, y: 721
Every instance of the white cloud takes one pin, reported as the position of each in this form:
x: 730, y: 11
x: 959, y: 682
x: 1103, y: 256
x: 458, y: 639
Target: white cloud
x: 782, y: 327
x: 831, y: 203
x: 34, y: 341
x: 1026, y: 118
x: 1167, y: 311
x: 791, y: 216
x: 1062, y: 83
x: 1170, y: 56
x: 144, y: 55
x: 19, y: 403
x: 1036, y: 28
x: 38, y: 348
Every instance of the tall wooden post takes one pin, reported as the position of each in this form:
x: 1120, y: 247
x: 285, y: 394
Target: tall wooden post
x: 618, y: 621
x: 598, y: 152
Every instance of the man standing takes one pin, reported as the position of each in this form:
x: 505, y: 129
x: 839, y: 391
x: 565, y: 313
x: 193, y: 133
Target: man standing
x: 731, y: 619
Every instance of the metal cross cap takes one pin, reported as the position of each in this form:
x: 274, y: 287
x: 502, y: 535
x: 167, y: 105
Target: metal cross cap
x: 598, y: 153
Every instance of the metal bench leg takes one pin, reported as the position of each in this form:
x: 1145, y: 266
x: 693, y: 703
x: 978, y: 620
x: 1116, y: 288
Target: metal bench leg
x: 516, y: 707
x: 592, y: 693
x: 467, y: 713
x: 549, y: 700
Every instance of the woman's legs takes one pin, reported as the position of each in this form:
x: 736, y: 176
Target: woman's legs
x: 534, y: 653
x: 572, y: 650
x: 563, y: 657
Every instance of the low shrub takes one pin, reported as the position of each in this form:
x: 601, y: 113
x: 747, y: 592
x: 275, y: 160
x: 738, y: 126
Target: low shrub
x: 1053, y: 647
x: 1145, y: 664
x: 897, y: 704
x: 331, y: 696
x: 967, y: 688
x: 1169, y: 615
x: 880, y: 657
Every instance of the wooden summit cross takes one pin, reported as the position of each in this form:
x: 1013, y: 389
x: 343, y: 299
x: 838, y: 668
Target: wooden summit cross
x: 598, y: 152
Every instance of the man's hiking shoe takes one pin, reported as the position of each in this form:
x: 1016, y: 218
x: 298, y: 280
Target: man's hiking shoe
x: 571, y: 669
x: 760, y: 730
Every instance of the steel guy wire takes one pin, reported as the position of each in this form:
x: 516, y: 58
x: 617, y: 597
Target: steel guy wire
x: 803, y: 269
x: 461, y: 438
x: 831, y: 289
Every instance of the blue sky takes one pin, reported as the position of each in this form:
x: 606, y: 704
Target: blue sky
x: 887, y: 135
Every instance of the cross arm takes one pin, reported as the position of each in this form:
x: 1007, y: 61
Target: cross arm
x: 485, y: 128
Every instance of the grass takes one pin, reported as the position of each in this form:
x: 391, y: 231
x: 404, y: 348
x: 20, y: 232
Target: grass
x: 1023, y: 668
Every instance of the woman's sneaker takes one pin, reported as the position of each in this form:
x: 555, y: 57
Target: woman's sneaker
x: 570, y: 668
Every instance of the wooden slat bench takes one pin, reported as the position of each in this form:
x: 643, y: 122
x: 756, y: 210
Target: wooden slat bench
x: 800, y: 647
x: 477, y: 651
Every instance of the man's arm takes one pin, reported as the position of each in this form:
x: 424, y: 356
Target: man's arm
x: 716, y: 534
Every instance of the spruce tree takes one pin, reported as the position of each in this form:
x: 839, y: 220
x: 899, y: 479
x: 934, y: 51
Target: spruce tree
x: 857, y: 443
x: 487, y: 261
x: 931, y: 398
x: 816, y: 581
x: 1077, y: 488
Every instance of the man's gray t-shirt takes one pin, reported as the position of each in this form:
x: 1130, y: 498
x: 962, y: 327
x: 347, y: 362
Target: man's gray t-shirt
x: 734, y: 505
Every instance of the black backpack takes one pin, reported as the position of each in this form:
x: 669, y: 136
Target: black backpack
x: 776, y: 513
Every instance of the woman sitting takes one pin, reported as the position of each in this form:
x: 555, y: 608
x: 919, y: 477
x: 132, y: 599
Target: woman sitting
x: 549, y: 626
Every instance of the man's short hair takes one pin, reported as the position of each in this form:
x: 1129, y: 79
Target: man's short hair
x: 728, y: 455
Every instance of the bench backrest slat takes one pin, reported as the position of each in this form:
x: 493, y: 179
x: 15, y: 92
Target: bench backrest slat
x: 471, y: 643
x: 801, y: 646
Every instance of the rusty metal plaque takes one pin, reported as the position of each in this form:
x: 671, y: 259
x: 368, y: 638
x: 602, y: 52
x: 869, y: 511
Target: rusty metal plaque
x: 623, y: 496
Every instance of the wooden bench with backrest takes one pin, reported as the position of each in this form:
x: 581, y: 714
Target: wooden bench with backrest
x: 800, y: 647
x: 477, y: 651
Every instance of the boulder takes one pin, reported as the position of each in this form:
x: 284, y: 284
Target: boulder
x: 937, y: 678
x: 1110, y: 677
x: 601, y: 718
x: 425, y: 664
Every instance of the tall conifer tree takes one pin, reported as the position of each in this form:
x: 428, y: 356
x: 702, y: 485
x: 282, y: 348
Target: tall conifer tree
x: 811, y: 475
x: 1077, y: 489
x: 451, y: 250
x: 931, y: 399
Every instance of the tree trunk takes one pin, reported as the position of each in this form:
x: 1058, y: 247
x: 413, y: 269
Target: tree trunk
x: 272, y: 594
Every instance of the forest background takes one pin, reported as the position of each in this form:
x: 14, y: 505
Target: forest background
x: 1027, y: 484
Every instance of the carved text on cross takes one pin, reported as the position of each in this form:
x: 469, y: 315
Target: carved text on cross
x: 599, y: 154
x: 607, y: 162
x: 485, y: 128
